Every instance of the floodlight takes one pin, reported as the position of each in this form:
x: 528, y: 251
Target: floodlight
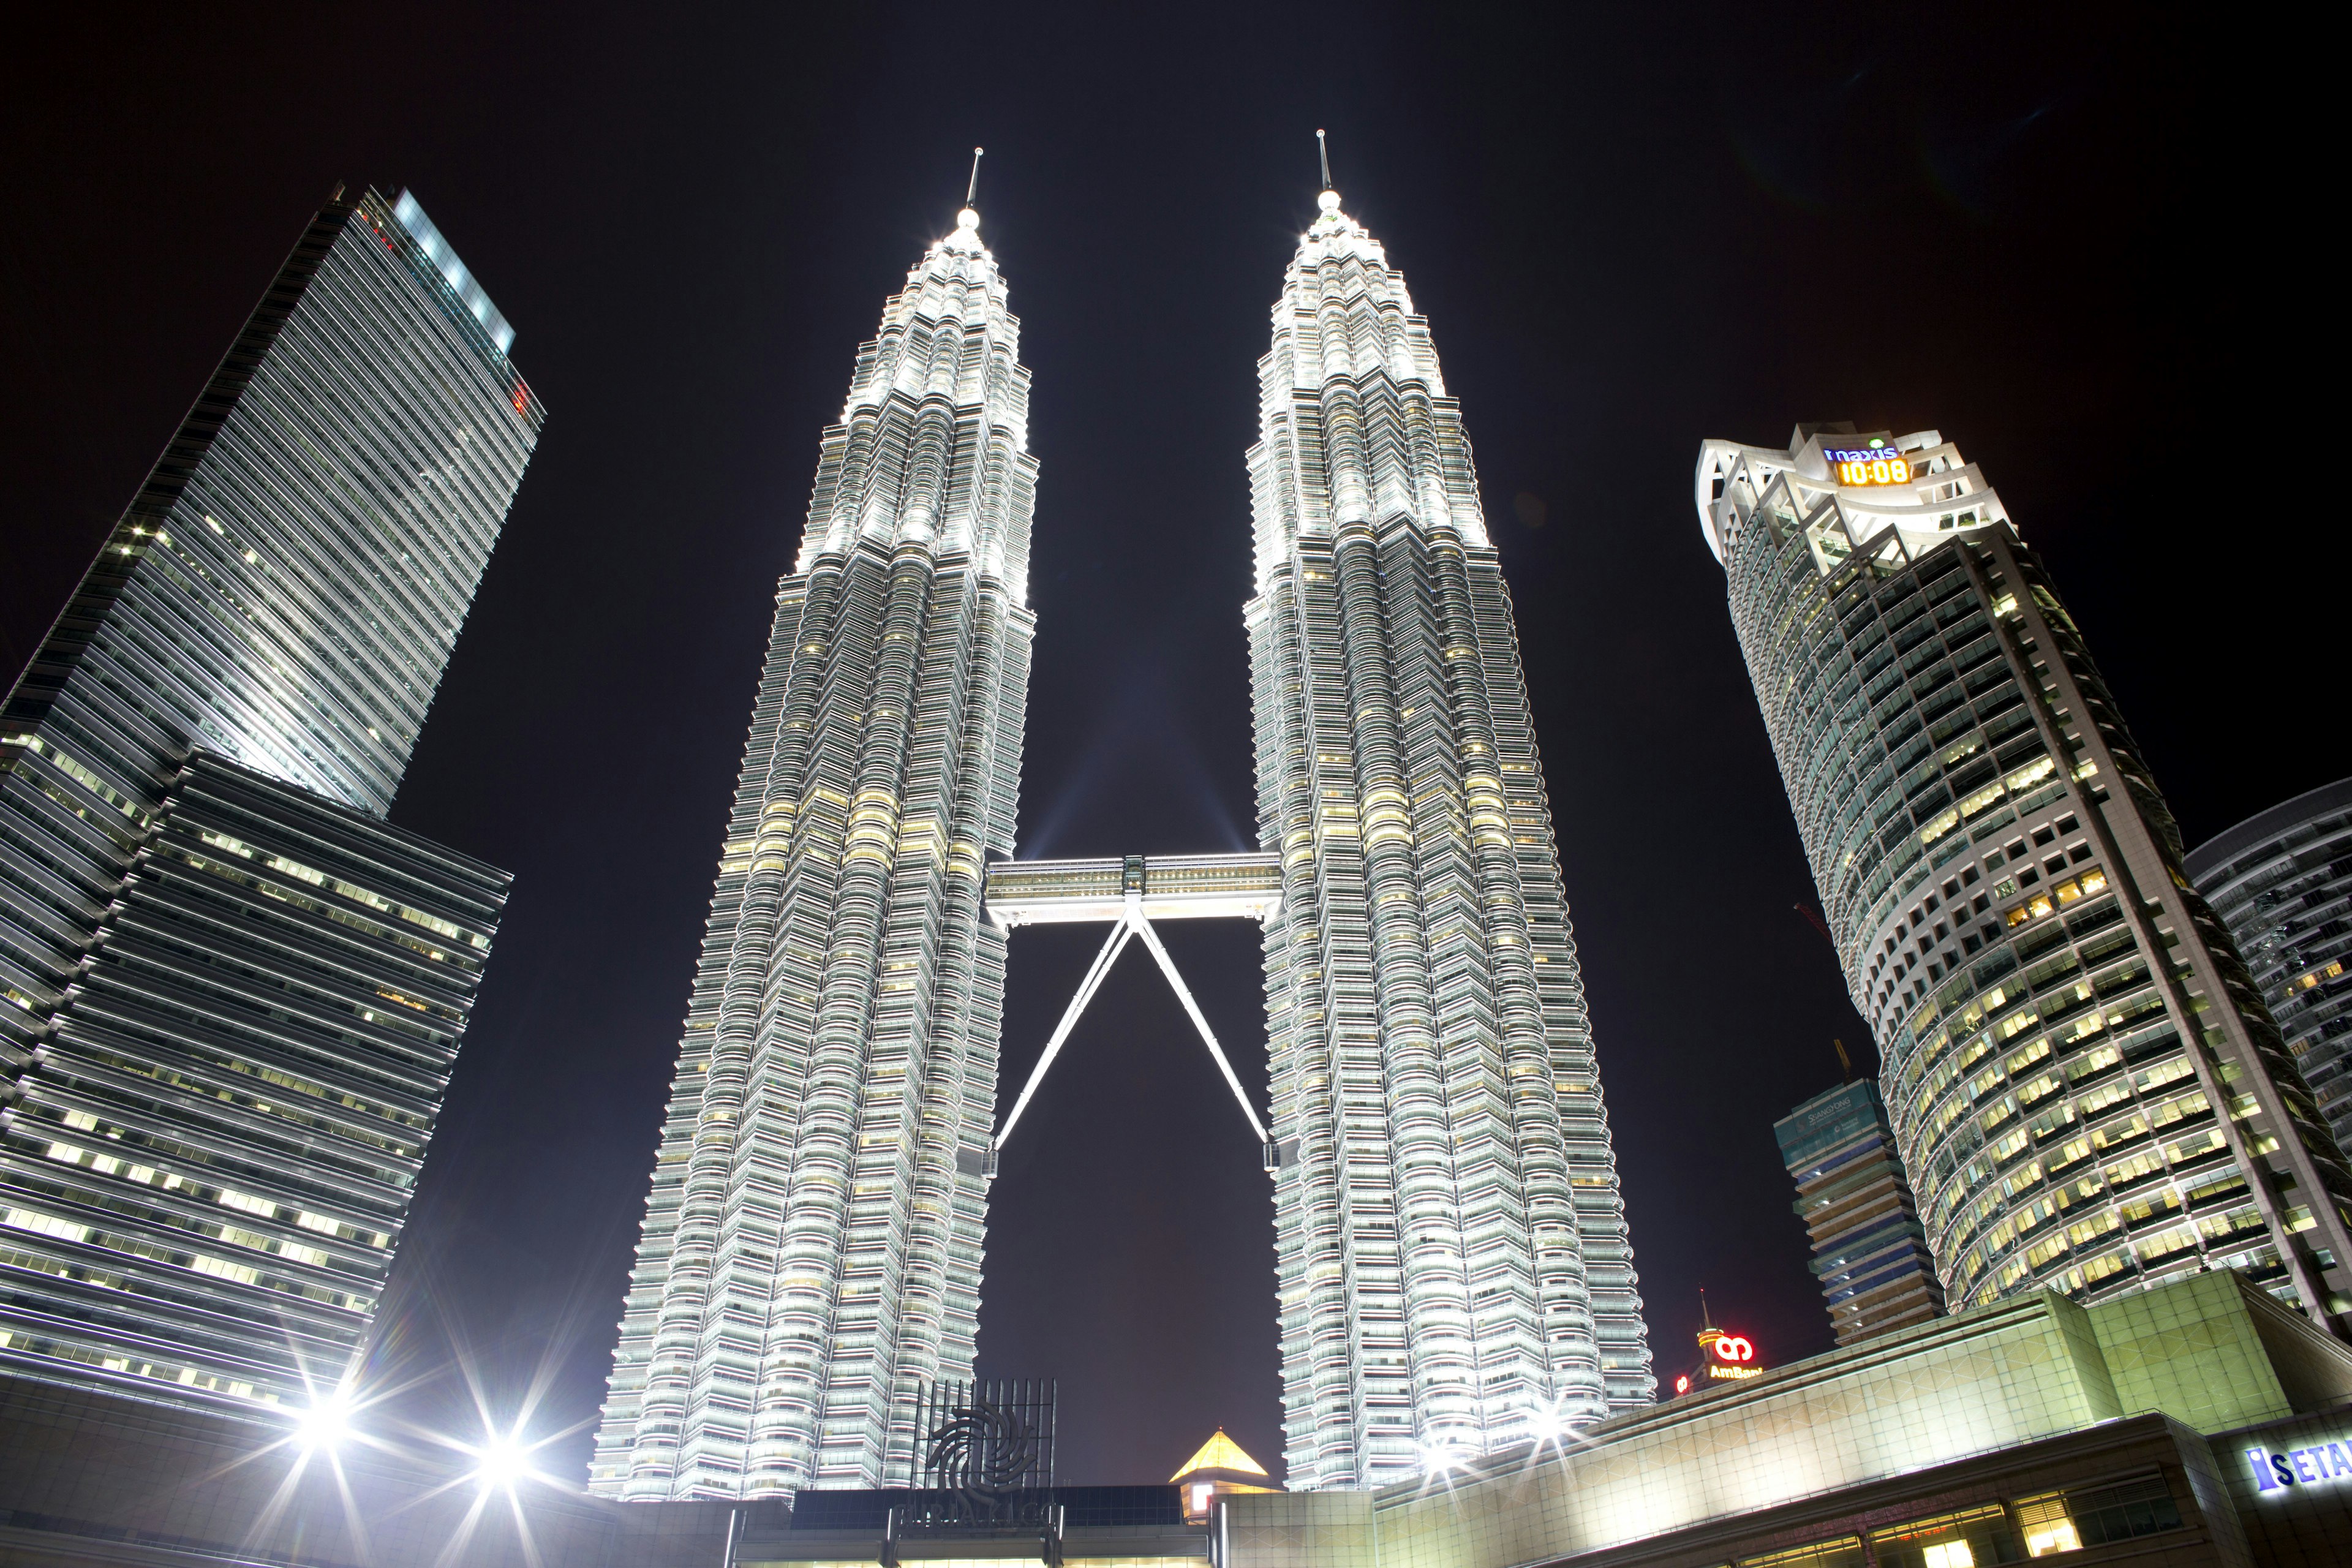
x: 325, y: 1424
x: 501, y: 1462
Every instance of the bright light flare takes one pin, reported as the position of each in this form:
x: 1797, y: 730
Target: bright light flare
x: 325, y: 1425
x: 503, y: 1462
x: 1441, y: 1456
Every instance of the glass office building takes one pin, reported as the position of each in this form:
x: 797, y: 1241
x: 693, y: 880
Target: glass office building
x: 2087, y: 1090
x: 1451, y: 1252
x: 230, y: 993
x: 2282, y: 882
x: 1869, y: 1251
x: 811, y: 1244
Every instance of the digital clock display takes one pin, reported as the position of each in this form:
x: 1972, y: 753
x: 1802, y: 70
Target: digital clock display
x: 1867, y: 465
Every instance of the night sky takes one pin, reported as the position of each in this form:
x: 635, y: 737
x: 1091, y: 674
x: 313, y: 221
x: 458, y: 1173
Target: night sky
x: 2068, y: 237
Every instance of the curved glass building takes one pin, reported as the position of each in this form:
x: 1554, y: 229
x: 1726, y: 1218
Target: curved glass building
x: 2282, y: 882
x: 2086, y: 1089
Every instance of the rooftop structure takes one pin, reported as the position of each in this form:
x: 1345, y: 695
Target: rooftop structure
x: 230, y: 993
x: 2083, y: 1082
x: 2282, y: 882
x: 2156, y: 1422
x: 1219, y: 1468
x: 1869, y: 1251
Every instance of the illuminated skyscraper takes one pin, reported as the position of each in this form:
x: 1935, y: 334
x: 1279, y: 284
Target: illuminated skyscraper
x: 230, y: 993
x: 1869, y: 1251
x: 1453, y: 1271
x: 2282, y: 881
x: 812, y: 1246
x: 2087, y: 1090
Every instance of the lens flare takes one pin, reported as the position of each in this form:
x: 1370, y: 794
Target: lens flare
x: 502, y: 1462
x: 326, y: 1423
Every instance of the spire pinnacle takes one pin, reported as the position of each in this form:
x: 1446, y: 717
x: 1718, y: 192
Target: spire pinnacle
x: 1328, y: 202
x: 968, y: 221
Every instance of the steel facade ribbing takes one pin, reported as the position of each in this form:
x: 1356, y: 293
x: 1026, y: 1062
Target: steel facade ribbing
x: 286, y: 586
x: 234, y: 994
x: 2282, y: 884
x: 1452, y: 1259
x: 811, y: 1244
x: 2086, y: 1088
x: 1870, y: 1252
x: 206, y: 1173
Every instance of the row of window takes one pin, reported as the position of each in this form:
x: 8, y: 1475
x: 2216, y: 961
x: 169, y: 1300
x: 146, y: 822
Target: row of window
x: 2046, y: 1524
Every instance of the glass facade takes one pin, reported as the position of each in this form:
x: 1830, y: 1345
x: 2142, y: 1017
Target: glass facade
x: 233, y: 994
x: 2282, y: 882
x: 287, y: 586
x: 2087, y: 1093
x: 1451, y: 1252
x: 203, y: 1177
x: 812, y: 1244
x: 1869, y: 1250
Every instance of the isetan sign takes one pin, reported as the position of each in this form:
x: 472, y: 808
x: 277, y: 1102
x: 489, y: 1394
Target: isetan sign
x: 2320, y: 1465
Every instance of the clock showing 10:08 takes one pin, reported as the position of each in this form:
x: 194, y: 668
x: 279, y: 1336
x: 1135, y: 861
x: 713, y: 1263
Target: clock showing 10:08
x: 1871, y: 464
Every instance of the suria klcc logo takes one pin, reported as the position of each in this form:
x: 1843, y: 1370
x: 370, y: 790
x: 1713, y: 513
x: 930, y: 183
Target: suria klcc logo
x: 2276, y: 1469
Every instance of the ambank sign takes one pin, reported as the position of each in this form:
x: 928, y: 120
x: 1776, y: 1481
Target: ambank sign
x: 2321, y: 1464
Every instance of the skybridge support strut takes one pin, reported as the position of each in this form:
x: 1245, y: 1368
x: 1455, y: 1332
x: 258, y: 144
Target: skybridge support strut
x: 1086, y: 994
x: 1142, y: 928
x: 1127, y: 893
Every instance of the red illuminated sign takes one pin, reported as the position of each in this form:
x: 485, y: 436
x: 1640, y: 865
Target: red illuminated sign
x: 1736, y: 1348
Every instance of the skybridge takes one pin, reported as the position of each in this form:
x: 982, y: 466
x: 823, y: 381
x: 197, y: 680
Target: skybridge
x: 1127, y: 893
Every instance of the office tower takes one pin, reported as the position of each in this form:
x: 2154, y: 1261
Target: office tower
x: 811, y: 1244
x: 2282, y: 882
x: 1870, y: 1252
x: 234, y: 991
x: 1453, y: 1271
x: 2085, y: 1087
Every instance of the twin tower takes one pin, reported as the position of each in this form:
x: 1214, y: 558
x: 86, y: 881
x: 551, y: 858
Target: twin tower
x: 1450, y: 1243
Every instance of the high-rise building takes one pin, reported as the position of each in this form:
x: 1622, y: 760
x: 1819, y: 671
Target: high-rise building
x: 1453, y: 1267
x: 2083, y: 1084
x: 2282, y: 883
x: 233, y: 992
x: 812, y: 1244
x: 1869, y: 1251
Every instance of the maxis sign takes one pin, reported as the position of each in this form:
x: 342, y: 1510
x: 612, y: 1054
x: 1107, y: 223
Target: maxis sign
x: 2322, y: 1464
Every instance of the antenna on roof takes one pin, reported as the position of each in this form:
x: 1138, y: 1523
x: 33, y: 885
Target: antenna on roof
x: 972, y: 190
x: 1845, y: 1064
x: 1323, y: 156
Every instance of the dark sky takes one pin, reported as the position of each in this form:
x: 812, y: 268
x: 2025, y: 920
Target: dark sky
x: 2067, y: 235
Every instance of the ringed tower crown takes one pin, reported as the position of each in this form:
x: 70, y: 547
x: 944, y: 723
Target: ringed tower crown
x: 1454, y: 1270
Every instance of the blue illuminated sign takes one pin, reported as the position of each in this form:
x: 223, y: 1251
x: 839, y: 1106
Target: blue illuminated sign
x: 2277, y: 1469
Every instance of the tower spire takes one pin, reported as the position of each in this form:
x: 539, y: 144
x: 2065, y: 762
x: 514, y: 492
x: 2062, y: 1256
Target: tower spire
x: 971, y: 191
x: 1323, y: 156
